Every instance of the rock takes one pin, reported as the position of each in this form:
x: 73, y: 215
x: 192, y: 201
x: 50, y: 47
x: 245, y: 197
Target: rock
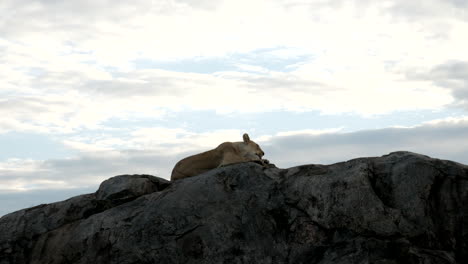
x: 124, y: 188
x: 399, y: 208
x: 20, y: 230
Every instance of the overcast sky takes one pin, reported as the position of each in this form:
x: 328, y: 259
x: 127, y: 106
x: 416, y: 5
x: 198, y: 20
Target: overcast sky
x: 90, y: 89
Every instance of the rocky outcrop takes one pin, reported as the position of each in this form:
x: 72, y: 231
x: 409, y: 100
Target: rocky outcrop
x: 20, y: 231
x: 399, y: 208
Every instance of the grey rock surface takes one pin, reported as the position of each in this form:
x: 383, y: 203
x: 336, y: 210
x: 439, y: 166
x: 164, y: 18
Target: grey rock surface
x: 124, y: 188
x: 20, y: 230
x: 399, y: 208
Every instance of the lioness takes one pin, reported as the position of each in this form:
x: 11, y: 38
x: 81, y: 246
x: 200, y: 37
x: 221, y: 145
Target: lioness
x: 224, y: 154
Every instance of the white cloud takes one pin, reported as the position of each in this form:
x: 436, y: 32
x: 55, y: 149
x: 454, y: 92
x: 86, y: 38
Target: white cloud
x: 251, y: 68
x: 84, y: 102
x: 365, y: 92
x: 308, y: 132
x: 448, y: 121
x: 166, y: 141
x: 428, y: 9
x: 358, y: 56
x: 161, y: 30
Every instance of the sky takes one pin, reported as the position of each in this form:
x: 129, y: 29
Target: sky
x: 91, y: 89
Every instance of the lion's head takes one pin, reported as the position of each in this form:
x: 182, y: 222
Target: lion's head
x: 250, y: 149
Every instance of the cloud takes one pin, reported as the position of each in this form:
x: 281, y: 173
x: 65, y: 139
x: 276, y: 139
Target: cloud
x: 65, y: 113
x: 452, y: 75
x: 158, y: 30
x: 364, y: 91
x: 85, y: 170
x: 348, y: 58
x: 167, y: 141
x: 428, y: 9
x: 34, y: 113
x: 204, y: 4
x: 162, y: 29
x: 445, y: 139
x: 73, y: 100
x: 400, y: 9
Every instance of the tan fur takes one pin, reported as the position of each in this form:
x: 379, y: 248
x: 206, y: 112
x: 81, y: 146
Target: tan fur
x: 224, y: 154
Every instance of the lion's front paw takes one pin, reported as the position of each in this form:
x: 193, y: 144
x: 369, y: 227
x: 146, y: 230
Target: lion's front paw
x: 265, y: 161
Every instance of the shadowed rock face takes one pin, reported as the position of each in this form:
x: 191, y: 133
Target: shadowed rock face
x: 399, y: 208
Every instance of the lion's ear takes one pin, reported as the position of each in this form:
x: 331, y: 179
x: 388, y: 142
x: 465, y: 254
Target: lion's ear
x: 246, y: 138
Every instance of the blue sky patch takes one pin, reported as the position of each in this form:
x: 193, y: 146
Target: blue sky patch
x: 263, y: 58
x: 31, y: 146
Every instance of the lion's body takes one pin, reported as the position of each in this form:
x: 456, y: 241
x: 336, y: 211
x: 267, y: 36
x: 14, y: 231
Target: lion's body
x: 224, y: 154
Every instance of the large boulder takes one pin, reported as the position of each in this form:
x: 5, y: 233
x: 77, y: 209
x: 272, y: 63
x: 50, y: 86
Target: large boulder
x: 125, y: 188
x: 399, y: 208
x: 20, y: 230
